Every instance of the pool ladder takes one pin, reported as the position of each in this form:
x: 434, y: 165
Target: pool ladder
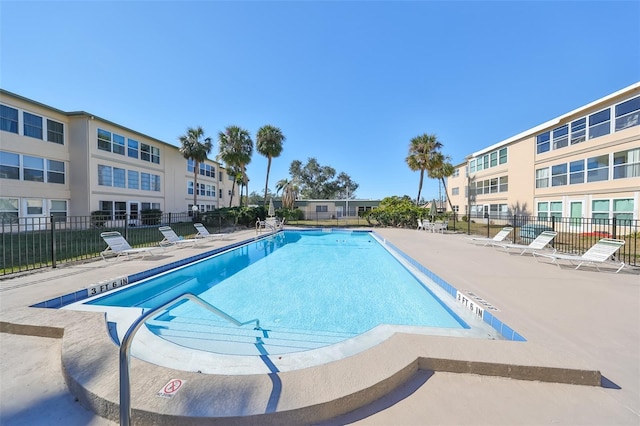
x: 125, y: 347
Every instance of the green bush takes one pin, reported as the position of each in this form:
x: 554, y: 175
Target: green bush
x: 151, y: 216
x: 99, y: 217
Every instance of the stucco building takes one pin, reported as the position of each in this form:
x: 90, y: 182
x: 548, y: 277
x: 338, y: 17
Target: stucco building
x: 585, y: 163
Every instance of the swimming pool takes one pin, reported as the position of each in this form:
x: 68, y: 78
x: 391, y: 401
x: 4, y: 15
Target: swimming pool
x: 309, y: 289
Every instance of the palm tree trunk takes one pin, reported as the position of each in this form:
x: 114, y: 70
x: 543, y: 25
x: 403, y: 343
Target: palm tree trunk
x: 420, y: 187
x: 446, y: 195
x: 233, y: 190
x: 266, y: 184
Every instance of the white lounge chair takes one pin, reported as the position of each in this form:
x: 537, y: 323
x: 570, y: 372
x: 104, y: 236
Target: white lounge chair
x: 500, y: 236
x: 439, y: 226
x: 204, y: 233
x: 539, y: 243
x: 600, y: 253
x: 172, y: 239
x: 118, y: 246
x: 420, y: 225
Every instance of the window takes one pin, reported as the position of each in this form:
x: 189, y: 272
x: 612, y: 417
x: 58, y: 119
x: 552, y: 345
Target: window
x: 559, y: 175
x: 58, y: 209
x: 206, y: 170
x: 503, y: 184
x: 151, y: 206
x: 8, y: 119
x: 55, y: 132
x: 576, y: 172
x: 133, y: 179
x: 118, y: 144
x: 119, y: 177
x: 561, y: 136
x: 455, y: 191
x: 155, y: 182
x: 322, y: 209
x: 191, y: 165
x: 149, y: 153
x: 132, y: 148
x: 543, y: 143
x: 55, y: 172
x: 9, y: 165
x: 555, y: 209
x: 472, y: 166
x: 104, y: 140
x: 628, y: 114
x: 220, y: 194
x: 578, y: 131
x: 107, y: 206
x: 598, y: 168
x: 503, y: 155
x: 623, y: 209
x: 493, y: 185
x: 145, y: 181
x: 626, y: 164
x: 543, y: 210
x: 34, y: 207
x: 120, y: 210
x: 33, y: 168
x: 493, y: 159
x: 190, y: 187
x: 105, y: 177
x: 542, y: 178
x: 9, y: 210
x: 600, y: 209
x: 32, y: 125
x: 456, y: 173
x: 600, y: 123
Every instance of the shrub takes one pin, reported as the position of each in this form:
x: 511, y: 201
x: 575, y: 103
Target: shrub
x: 151, y: 216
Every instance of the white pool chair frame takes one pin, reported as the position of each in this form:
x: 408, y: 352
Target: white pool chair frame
x: 118, y: 246
x: 540, y: 242
x: 172, y: 239
x: 500, y: 236
x: 601, y: 253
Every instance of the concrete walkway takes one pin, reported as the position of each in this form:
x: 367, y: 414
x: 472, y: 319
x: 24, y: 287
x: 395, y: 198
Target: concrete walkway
x: 578, y: 319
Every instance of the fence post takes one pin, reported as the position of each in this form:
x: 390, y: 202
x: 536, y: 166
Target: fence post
x: 53, y: 242
x: 169, y: 219
x: 488, y: 227
x: 553, y: 223
x: 614, y: 228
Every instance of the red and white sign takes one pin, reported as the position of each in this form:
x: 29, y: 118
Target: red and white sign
x: 170, y: 389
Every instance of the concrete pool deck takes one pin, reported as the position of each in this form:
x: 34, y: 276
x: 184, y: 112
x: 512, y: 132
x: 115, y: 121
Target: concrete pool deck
x: 578, y: 324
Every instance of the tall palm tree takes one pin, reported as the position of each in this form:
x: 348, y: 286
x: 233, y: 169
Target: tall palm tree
x: 440, y: 167
x: 421, y: 149
x: 236, y: 149
x: 193, y: 149
x: 269, y: 141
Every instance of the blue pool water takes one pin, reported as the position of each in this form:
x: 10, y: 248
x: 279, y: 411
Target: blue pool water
x: 338, y: 284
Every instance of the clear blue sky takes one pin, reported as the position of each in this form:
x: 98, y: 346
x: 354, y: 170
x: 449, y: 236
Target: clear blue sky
x: 349, y: 83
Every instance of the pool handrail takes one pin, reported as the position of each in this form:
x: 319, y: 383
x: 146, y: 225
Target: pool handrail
x: 125, y: 347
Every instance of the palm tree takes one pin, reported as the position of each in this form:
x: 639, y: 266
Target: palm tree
x: 269, y: 141
x: 236, y: 148
x: 421, y: 150
x: 289, y: 192
x: 193, y: 149
x: 440, y: 167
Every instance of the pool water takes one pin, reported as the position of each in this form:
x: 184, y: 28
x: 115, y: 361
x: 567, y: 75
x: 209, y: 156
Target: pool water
x: 307, y: 288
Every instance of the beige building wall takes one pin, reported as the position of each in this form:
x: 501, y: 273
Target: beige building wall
x: 121, y: 168
x: 564, y: 175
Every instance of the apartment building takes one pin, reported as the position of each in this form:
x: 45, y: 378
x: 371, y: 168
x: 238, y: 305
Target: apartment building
x: 64, y: 164
x: 585, y: 163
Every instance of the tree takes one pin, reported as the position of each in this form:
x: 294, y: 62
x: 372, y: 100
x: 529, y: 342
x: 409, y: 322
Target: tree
x: 193, y: 149
x: 440, y: 167
x: 421, y: 150
x: 317, y: 182
x: 269, y: 141
x: 346, y: 186
x: 289, y: 190
x: 236, y: 149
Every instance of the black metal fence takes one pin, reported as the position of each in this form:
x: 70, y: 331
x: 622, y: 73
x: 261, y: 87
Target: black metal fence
x: 34, y: 243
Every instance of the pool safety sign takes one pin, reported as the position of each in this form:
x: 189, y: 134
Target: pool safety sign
x: 170, y: 389
x: 107, y: 285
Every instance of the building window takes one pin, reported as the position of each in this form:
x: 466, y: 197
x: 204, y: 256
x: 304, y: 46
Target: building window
x: 559, y: 175
x: 190, y: 187
x: 120, y: 210
x: 549, y: 209
x: 132, y: 148
x: 623, y: 209
x: 149, y: 153
x: 600, y: 209
x: 472, y: 166
x: 32, y: 125
x: 8, y: 119
x: 33, y: 168
x: 598, y: 168
x: 145, y: 181
x: 503, y: 155
x: 34, y: 207
x: 151, y: 206
x: 576, y: 172
x: 58, y: 209
x: 543, y: 143
x: 118, y: 144
x: 155, y: 182
x: 503, y: 184
x: 561, y: 136
x: 493, y: 185
x: 119, y: 178
x: 626, y: 164
x: 578, y: 131
x: 9, y: 165
x: 133, y: 179
x: 9, y: 212
x: 455, y: 191
x: 493, y: 159
x: 55, y: 132
x: 105, y: 177
x: 600, y: 123
x: 220, y: 193
x: 55, y: 172
x: 191, y: 165
x: 542, y: 178
x: 104, y: 140
x: 322, y: 209
x: 628, y: 114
